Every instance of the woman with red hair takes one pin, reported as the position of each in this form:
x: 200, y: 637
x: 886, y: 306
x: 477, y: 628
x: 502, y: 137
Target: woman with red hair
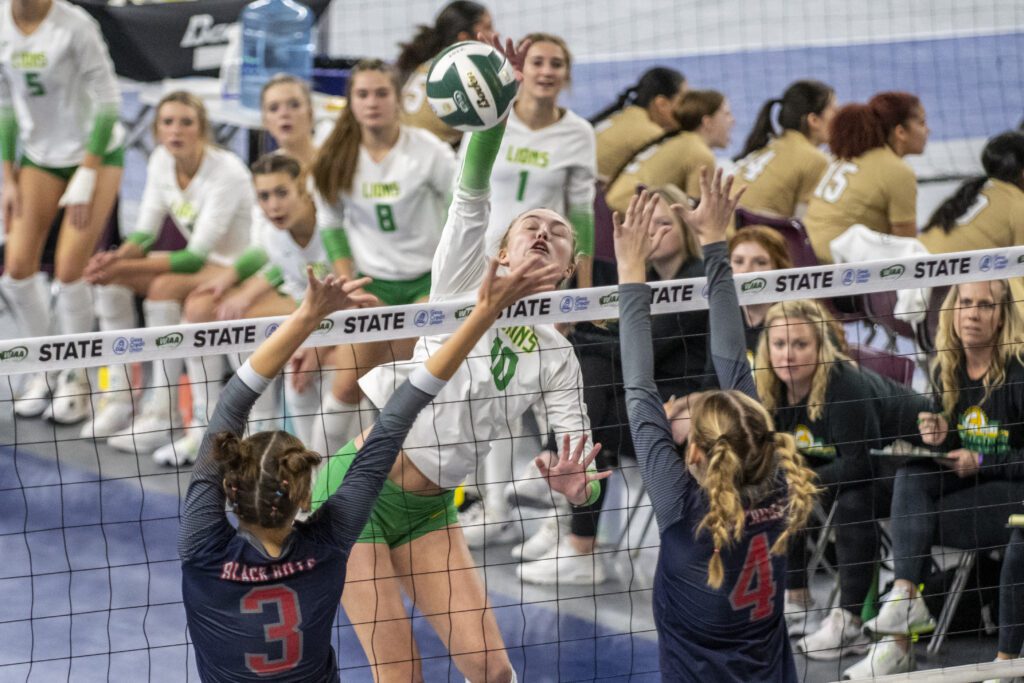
x: 869, y: 183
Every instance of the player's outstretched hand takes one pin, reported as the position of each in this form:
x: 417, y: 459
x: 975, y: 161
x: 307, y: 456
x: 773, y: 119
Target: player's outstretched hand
x: 636, y: 238
x: 568, y: 475
x: 516, y: 55
x: 498, y: 292
x: 333, y: 293
x: 717, y: 205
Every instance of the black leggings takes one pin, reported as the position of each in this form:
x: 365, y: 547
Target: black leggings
x: 606, y: 407
x: 858, y: 538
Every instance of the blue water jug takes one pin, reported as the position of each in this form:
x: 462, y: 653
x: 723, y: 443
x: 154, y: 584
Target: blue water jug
x: 277, y: 37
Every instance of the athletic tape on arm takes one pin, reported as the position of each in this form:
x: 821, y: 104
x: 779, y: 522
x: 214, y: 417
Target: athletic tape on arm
x: 598, y: 303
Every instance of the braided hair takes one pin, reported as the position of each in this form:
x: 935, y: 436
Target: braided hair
x: 744, y: 454
x: 267, y: 477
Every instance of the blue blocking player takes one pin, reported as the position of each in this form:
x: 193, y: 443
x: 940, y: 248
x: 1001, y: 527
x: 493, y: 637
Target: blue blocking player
x: 260, y: 599
x: 727, y: 509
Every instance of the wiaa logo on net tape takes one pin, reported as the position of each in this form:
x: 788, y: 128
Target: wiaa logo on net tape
x: 15, y: 354
x: 170, y: 341
x: 756, y: 285
x: 609, y: 299
x: 892, y: 272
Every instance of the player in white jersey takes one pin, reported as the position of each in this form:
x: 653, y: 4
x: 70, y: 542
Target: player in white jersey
x: 548, y: 160
x: 286, y: 240
x: 508, y: 371
x: 59, y: 100
x: 549, y: 157
x: 382, y: 188
x: 286, y: 109
x: 206, y: 191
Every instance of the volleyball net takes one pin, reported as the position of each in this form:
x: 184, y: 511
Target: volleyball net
x: 91, y: 576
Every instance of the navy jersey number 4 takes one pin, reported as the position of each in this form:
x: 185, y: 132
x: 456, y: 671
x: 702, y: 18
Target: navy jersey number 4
x: 755, y: 587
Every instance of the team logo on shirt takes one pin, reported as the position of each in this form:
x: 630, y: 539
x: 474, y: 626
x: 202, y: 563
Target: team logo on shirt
x: 381, y: 190
x: 29, y: 60
x: 810, y: 444
x: 15, y: 354
x: 184, y: 212
x: 979, y: 433
x: 528, y: 157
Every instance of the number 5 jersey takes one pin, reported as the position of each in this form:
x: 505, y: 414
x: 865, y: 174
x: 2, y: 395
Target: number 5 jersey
x: 59, y: 80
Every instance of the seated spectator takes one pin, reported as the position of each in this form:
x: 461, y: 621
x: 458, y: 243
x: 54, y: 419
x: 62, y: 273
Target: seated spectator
x: 869, y: 183
x: 963, y: 496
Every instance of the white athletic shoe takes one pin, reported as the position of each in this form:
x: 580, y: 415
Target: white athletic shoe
x: 885, y: 657
x: 113, y: 414
x: 530, y: 489
x: 801, y: 619
x: 34, y: 396
x: 72, y: 400
x: 181, y: 451
x: 542, y: 544
x: 481, y: 529
x: 839, y: 635
x: 152, y: 427
x: 901, y: 615
x: 566, y: 568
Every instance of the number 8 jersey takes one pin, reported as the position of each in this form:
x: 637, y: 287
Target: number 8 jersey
x: 393, y: 215
x: 57, y: 79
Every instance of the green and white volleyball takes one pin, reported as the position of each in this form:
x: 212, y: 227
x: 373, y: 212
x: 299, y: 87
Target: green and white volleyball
x: 470, y: 86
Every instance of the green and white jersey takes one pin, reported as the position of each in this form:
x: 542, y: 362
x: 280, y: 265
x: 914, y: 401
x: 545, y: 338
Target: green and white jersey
x: 57, y: 79
x: 508, y: 371
x: 551, y: 168
x: 394, y: 213
x: 287, y: 259
x: 213, y: 213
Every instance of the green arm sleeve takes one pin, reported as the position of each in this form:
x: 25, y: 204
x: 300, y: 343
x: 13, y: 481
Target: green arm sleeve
x: 143, y: 239
x: 185, y: 261
x: 250, y: 262
x: 593, y: 493
x: 274, y: 276
x: 8, y: 134
x: 582, y: 220
x: 336, y: 244
x: 102, y: 128
x: 481, y: 152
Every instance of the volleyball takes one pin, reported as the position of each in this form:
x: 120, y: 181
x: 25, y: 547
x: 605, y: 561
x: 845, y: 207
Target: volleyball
x: 470, y: 86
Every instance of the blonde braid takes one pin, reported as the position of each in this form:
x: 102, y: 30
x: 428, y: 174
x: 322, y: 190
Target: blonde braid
x: 725, y: 517
x: 802, y: 490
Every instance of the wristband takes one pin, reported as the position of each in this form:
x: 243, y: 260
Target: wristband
x: 80, y: 187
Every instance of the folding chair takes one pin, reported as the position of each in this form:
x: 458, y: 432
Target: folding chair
x: 895, y: 367
x: 798, y: 244
x: 965, y: 564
